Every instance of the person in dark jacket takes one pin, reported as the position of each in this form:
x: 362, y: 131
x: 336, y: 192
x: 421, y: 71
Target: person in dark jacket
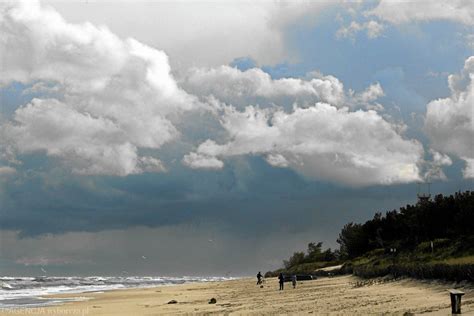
x: 259, y: 278
x: 281, y: 279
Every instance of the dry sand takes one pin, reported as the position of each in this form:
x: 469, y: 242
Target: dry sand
x: 325, y: 296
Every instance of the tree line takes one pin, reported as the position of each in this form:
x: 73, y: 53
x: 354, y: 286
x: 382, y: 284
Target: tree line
x: 442, y: 218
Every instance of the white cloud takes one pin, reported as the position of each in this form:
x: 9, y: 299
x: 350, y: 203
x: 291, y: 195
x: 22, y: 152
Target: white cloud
x: 254, y: 86
x: 372, y: 93
x: 200, y: 161
x: 87, y: 144
x: 458, y: 84
x: 449, y: 122
x: 373, y: 28
x: 468, y: 172
x: 349, y: 31
x: 441, y: 159
x: 324, y: 142
x: 366, y: 99
x: 434, y: 167
x: 277, y: 160
x: 41, y: 45
x: 398, y: 12
x: 113, y: 96
x: 401, y: 12
x: 202, y: 33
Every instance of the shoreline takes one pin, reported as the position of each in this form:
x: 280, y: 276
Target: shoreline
x: 336, y: 295
x: 69, y: 288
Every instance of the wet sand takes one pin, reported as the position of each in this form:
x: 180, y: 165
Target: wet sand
x: 345, y: 295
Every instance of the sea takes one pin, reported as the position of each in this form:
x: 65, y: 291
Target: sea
x: 18, y: 292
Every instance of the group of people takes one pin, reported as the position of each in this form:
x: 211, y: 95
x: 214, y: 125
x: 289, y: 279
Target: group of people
x: 281, y: 280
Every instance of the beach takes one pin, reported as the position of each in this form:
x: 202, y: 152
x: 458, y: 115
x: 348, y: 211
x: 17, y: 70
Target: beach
x: 344, y: 295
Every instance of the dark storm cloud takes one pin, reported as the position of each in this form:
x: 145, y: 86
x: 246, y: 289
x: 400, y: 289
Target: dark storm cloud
x: 248, y: 196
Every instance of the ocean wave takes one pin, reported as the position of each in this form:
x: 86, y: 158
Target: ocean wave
x: 21, y: 291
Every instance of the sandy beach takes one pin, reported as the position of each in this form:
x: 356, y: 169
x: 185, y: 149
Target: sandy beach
x: 345, y: 295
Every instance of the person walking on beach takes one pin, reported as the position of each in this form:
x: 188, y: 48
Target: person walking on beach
x: 293, y: 280
x: 281, y: 279
x: 259, y: 278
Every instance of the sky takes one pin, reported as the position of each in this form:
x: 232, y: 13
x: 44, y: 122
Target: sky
x: 219, y: 137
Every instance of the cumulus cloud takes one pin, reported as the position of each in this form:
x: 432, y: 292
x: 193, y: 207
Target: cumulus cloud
x: 372, y: 93
x: 202, y: 161
x: 449, y: 121
x: 367, y: 98
x: 373, y: 28
x: 468, y: 172
x: 232, y: 85
x: 203, y: 33
x: 89, y: 145
x: 434, y: 167
x: 112, y: 96
x: 277, y: 160
x: 322, y: 141
x: 401, y: 12
x: 398, y: 12
x: 254, y: 86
